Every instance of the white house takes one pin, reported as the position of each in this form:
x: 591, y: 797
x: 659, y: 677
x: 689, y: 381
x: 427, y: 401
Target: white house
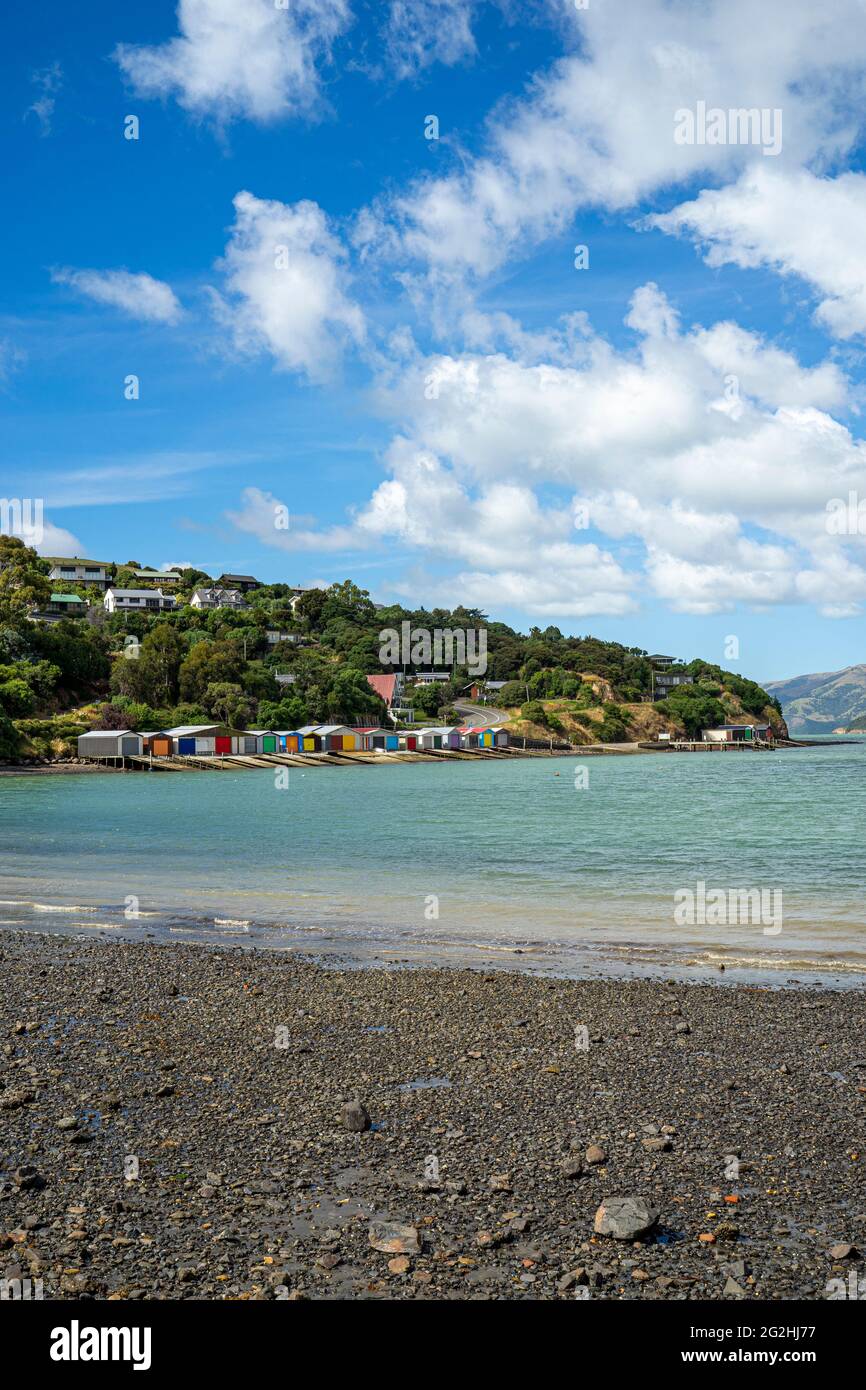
x: 78, y: 571
x: 297, y: 593
x: 138, y: 601
x: 217, y: 598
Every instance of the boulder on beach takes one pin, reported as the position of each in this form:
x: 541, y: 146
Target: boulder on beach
x: 624, y: 1218
x: 393, y: 1239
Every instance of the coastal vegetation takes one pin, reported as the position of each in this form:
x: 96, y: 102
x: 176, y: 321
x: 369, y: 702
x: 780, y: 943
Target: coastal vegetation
x: 282, y: 661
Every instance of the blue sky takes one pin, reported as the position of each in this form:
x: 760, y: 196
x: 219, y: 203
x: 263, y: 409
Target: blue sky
x: 426, y: 380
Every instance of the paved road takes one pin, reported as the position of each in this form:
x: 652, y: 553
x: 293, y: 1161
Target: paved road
x: 481, y: 716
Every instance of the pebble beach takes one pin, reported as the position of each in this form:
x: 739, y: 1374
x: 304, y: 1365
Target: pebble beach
x: 191, y: 1122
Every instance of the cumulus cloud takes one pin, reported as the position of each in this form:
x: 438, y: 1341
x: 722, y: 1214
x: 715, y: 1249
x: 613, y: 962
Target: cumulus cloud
x: 138, y: 295
x: 287, y: 287
x: 598, y: 128
x: 52, y: 540
x: 240, y: 58
x: 713, y: 449
x: 793, y: 221
x: 273, y: 523
x: 702, y: 461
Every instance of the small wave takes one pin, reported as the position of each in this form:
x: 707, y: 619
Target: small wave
x: 53, y: 907
x: 230, y: 922
x: 830, y: 963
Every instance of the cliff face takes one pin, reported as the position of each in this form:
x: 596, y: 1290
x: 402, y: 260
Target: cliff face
x: 822, y: 702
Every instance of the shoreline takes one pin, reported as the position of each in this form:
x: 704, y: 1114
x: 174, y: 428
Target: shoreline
x: 324, y: 945
x: 734, y: 1113
x: 234, y: 762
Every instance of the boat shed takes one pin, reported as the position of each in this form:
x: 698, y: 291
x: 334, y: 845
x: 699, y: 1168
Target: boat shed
x: 738, y: 733
x: 289, y: 741
x: 205, y: 740
x: 109, y: 743
x: 345, y: 739
x: 310, y: 739
x: 261, y: 741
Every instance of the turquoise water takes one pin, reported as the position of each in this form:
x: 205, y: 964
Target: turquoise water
x: 459, y: 861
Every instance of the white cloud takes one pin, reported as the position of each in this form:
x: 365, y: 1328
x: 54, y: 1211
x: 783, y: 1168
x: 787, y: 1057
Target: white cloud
x: 240, y: 58
x: 796, y: 223
x: 287, y: 287
x: 129, y: 478
x: 53, y: 540
x: 705, y: 460
x: 419, y: 33
x: 48, y: 81
x: 597, y: 129
x: 712, y: 449
x: 138, y: 295
x: 263, y: 515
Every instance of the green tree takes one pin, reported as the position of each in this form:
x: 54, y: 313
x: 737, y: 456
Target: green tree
x: 350, y: 697
x: 23, y: 584
x: 288, y: 713
x: 227, y: 702
x: 207, y: 664
x: 16, y: 698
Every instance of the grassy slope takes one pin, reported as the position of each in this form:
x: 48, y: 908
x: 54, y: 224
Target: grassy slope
x: 643, y: 721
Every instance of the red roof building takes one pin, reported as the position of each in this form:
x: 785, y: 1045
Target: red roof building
x: 387, y: 687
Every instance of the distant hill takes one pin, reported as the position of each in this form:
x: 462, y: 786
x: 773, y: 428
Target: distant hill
x: 822, y: 702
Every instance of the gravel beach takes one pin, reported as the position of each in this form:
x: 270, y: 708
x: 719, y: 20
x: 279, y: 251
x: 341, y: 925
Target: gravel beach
x: 185, y: 1122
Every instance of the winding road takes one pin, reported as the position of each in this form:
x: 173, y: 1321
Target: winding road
x: 480, y: 716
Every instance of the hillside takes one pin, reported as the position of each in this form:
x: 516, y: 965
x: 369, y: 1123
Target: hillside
x: 615, y: 721
x: 285, y: 656
x: 820, y: 703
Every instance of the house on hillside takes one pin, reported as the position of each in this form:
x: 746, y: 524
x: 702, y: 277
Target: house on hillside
x: 663, y: 678
x: 483, y: 690
x: 217, y: 598
x: 297, y: 593
x: 244, y: 582
x: 157, y: 576
x: 389, y: 688
x: 429, y: 677
x: 78, y: 571
x: 60, y: 606
x: 138, y: 601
